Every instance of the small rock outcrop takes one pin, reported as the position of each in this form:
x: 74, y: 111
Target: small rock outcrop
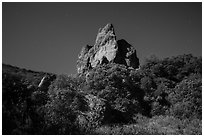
x: 107, y: 50
x: 45, y: 82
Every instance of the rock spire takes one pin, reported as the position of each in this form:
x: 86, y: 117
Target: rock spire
x: 107, y: 50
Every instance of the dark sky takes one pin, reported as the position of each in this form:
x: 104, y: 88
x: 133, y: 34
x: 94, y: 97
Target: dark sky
x: 49, y: 36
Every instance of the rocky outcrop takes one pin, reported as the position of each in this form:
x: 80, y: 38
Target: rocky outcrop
x: 45, y: 82
x: 107, y: 50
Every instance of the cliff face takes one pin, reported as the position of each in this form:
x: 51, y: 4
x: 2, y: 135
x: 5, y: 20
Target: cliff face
x: 107, y: 50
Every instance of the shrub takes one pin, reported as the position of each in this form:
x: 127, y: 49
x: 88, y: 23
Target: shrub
x: 39, y: 97
x: 70, y: 110
x: 96, y: 114
x: 16, y: 105
x: 113, y: 83
x: 173, y: 68
x: 192, y: 127
x: 158, y: 125
x: 187, y: 98
x: 64, y: 105
x: 61, y: 112
x: 164, y: 125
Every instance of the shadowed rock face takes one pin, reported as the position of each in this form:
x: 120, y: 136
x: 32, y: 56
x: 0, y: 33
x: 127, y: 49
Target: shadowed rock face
x: 126, y: 54
x: 107, y: 50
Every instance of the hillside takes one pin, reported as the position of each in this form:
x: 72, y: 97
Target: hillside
x: 110, y: 95
x: 160, y: 98
x: 18, y: 87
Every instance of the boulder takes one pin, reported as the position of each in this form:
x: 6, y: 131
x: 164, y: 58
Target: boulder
x: 107, y: 50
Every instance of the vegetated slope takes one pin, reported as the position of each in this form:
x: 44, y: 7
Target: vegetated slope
x: 20, y: 97
x: 30, y: 76
x: 164, y: 96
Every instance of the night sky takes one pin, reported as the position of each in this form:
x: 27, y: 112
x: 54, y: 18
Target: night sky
x: 49, y: 36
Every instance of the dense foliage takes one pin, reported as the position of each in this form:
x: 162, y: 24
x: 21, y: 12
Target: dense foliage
x: 162, y: 97
x: 22, y: 100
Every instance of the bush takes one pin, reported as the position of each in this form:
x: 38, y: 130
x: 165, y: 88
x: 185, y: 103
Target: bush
x: 70, y: 110
x: 164, y: 125
x: 16, y: 105
x: 187, y: 98
x: 132, y: 129
x: 39, y: 97
x: 64, y: 105
x: 158, y: 125
x: 173, y: 68
x: 192, y: 127
x: 112, y: 82
x: 96, y: 114
x: 61, y: 112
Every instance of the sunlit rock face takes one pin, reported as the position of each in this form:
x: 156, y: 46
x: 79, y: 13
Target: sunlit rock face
x: 107, y: 50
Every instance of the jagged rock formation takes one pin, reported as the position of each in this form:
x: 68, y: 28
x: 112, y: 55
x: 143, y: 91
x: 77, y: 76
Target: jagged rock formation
x: 107, y: 50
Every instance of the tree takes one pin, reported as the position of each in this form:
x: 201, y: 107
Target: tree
x: 64, y: 105
x: 117, y: 85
